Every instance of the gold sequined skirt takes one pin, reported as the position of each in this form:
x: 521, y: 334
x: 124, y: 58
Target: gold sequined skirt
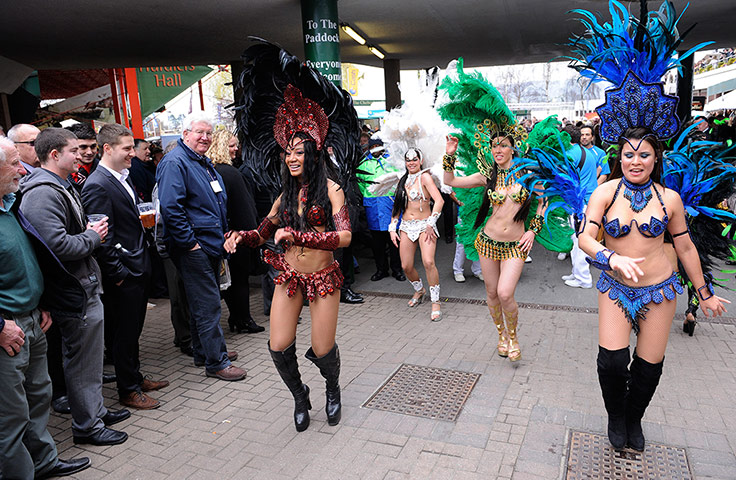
x: 495, y: 250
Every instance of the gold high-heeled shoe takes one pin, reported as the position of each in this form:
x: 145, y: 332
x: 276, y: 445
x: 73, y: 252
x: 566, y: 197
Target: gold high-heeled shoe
x: 497, y: 316
x: 512, y: 321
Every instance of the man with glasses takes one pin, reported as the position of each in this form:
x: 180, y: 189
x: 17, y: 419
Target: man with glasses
x: 24, y: 136
x: 193, y: 207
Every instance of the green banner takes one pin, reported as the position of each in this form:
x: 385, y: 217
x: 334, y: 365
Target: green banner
x: 321, y: 29
x: 158, y: 85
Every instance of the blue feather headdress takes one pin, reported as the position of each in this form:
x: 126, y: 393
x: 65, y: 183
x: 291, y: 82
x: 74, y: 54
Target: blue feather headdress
x: 633, y: 54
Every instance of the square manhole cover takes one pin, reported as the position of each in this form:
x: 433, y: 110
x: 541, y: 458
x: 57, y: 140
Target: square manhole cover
x: 426, y: 392
x: 591, y: 456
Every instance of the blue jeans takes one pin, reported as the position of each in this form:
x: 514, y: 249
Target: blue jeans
x: 198, y: 272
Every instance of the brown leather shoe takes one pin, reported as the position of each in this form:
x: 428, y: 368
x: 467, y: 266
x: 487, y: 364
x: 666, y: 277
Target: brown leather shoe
x: 148, y: 385
x: 231, y: 374
x: 140, y: 401
x: 232, y: 356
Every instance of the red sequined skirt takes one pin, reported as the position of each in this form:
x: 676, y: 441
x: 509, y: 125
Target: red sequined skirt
x: 324, y: 282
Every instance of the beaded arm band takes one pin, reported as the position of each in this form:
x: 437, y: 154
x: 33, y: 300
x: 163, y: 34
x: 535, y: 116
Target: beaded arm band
x: 342, y: 220
x: 432, y: 219
x: 392, y: 226
x: 448, y: 162
x: 601, y: 261
x: 536, y: 224
x: 709, y: 287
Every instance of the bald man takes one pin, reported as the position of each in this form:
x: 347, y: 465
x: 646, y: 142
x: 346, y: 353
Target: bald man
x: 24, y: 136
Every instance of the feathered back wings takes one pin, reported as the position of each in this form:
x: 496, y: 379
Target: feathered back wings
x: 268, y: 71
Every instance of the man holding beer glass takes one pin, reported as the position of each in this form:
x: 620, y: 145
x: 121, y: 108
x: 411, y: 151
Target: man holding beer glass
x: 124, y: 261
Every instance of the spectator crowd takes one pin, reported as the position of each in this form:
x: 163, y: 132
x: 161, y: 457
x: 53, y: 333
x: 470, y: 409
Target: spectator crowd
x: 93, y: 224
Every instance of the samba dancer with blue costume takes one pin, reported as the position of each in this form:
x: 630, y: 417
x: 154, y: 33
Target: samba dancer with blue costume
x: 637, y: 284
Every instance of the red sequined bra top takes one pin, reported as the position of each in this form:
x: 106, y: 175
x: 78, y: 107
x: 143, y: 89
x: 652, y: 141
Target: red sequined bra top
x: 316, y: 216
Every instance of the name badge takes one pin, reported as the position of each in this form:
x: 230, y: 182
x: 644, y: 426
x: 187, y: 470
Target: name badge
x: 215, y: 186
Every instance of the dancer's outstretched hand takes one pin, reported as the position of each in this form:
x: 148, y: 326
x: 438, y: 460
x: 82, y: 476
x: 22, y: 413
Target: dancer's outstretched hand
x: 627, y: 266
x: 527, y: 241
x: 715, y: 305
x: 429, y: 235
x: 231, y: 243
x: 394, y: 238
x: 451, y: 145
x: 283, y: 235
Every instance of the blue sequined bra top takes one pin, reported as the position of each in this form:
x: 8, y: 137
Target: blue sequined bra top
x: 653, y: 229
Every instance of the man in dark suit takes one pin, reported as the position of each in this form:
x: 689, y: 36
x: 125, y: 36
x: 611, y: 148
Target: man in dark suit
x: 124, y: 261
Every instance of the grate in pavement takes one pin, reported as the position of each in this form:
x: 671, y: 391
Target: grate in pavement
x: 426, y: 392
x: 591, y: 456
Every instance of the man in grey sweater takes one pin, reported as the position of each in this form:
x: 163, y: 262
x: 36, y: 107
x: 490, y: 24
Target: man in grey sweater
x: 54, y: 208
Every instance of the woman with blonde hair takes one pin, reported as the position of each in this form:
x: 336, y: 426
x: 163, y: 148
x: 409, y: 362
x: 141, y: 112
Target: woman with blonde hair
x: 241, y: 215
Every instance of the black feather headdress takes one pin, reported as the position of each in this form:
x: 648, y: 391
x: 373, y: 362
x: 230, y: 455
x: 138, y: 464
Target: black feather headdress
x: 268, y: 71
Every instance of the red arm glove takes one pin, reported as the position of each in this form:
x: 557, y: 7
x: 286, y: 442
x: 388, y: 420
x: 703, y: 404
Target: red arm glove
x: 252, y: 238
x: 318, y: 240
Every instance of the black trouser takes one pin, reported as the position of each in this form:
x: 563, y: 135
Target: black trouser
x: 380, y: 242
x: 449, y: 217
x: 237, y: 297
x: 55, y: 361
x: 345, y: 259
x: 158, y: 284
x: 125, y: 311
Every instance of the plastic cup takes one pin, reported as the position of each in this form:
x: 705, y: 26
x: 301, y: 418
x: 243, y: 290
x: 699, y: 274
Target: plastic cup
x: 147, y: 214
x: 95, y: 218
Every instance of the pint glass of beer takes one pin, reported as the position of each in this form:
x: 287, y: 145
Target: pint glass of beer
x: 147, y: 214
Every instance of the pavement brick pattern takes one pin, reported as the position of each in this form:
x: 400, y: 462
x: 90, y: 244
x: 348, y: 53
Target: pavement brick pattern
x: 515, y: 423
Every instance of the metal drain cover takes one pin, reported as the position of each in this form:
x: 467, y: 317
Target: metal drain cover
x: 426, y: 392
x: 591, y: 456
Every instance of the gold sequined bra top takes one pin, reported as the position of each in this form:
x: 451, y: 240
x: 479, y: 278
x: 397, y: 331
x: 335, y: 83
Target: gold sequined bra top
x: 506, y: 179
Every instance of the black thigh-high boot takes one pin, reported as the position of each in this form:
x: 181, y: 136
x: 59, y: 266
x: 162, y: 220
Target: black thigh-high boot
x: 644, y: 380
x: 288, y: 368
x: 329, y: 367
x: 613, y: 375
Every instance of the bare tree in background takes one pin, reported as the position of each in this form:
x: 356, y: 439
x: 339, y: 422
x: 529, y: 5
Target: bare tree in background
x: 547, y: 77
x: 517, y: 84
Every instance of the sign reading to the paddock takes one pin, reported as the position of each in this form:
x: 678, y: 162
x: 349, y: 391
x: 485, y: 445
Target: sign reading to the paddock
x: 158, y: 85
x: 322, y: 38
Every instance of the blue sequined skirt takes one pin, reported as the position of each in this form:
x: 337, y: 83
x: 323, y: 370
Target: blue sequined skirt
x: 633, y: 301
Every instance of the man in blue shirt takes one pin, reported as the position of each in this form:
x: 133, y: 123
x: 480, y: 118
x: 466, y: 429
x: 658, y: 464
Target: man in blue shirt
x: 594, y: 169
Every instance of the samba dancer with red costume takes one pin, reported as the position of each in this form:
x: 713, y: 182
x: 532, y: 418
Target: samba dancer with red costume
x: 309, y: 218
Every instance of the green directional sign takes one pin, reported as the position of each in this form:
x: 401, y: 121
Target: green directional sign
x: 158, y: 85
x: 321, y: 29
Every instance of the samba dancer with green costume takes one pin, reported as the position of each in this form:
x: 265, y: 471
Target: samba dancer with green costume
x: 494, y: 217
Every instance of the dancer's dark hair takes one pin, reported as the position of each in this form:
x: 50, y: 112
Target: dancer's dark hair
x: 491, y: 186
x: 645, y: 135
x: 400, y: 198
x: 316, y: 171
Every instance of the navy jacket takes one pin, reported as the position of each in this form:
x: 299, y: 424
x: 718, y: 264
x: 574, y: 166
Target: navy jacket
x: 192, y: 212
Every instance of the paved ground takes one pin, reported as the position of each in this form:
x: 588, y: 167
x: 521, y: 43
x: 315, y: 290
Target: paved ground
x: 514, y: 425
